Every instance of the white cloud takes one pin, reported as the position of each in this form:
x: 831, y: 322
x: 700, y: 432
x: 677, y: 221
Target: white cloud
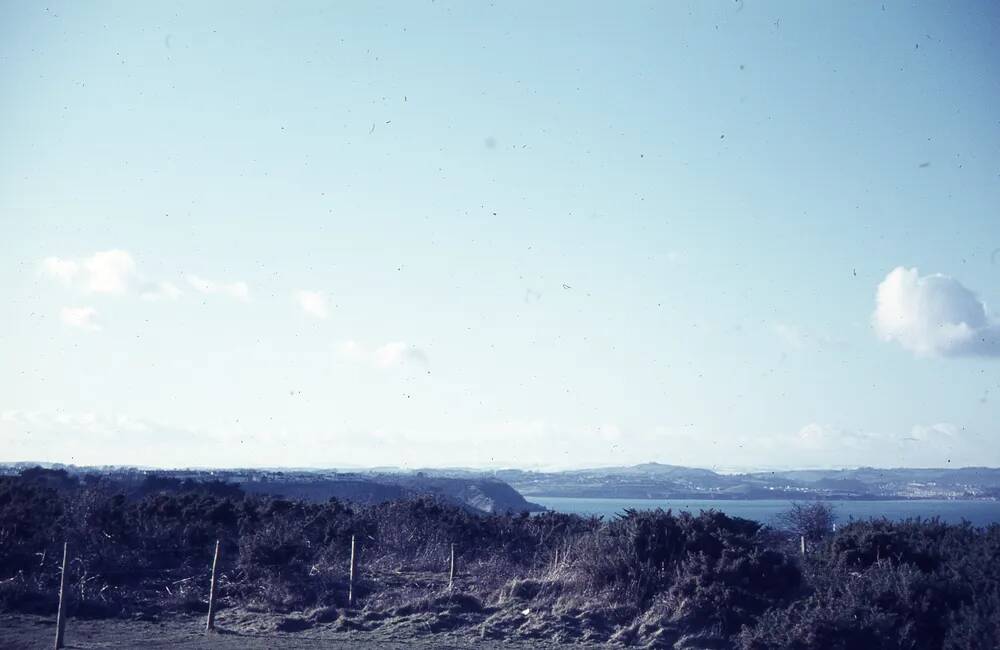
x: 398, y: 353
x: 942, y: 431
x: 817, y: 435
x: 161, y: 291
x: 814, y: 432
x: 313, y: 303
x: 204, y: 286
x: 108, y: 271
x: 933, y: 315
x: 82, y: 317
x: 238, y: 290
x: 63, y: 270
x: 389, y: 355
x: 103, y: 272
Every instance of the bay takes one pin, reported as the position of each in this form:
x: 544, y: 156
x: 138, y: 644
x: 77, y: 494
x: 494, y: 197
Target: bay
x: 978, y: 513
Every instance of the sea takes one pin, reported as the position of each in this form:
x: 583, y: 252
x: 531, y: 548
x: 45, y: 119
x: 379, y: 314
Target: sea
x: 978, y: 513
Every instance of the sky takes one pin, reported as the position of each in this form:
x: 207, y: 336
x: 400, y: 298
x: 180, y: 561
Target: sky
x: 545, y: 235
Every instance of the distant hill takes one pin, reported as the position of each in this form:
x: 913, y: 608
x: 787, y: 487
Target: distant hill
x: 660, y: 481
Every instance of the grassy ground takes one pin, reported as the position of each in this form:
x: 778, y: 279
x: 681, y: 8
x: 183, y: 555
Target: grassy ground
x: 240, y: 629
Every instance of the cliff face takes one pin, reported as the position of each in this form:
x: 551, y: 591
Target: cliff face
x: 483, y: 494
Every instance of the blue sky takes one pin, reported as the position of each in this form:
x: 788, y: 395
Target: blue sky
x: 536, y: 234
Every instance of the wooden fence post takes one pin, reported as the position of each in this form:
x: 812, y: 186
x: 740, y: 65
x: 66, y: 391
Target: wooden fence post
x: 354, y: 568
x: 210, y: 625
x: 802, y: 544
x: 451, y: 570
x: 61, y: 612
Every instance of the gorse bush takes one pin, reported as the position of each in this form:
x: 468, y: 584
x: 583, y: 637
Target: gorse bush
x: 649, y: 577
x: 881, y: 584
x: 639, y: 553
x: 685, y: 573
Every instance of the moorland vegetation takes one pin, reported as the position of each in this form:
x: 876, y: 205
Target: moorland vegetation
x: 649, y: 578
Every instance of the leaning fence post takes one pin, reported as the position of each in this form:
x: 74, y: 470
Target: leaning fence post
x: 210, y: 625
x: 61, y: 612
x: 802, y: 544
x: 354, y: 568
x: 451, y: 570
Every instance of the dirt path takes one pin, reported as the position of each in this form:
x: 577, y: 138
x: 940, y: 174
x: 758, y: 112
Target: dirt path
x: 22, y: 632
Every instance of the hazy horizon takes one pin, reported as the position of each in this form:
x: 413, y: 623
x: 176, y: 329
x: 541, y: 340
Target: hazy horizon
x: 469, y: 234
x: 724, y: 470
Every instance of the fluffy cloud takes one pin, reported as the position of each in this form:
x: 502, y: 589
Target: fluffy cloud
x: 109, y: 271
x: 398, y: 353
x: 238, y: 290
x: 389, y: 355
x: 933, y: 315
x: 935, y: 432
x: 820, y: 436
x: 82, y: 317
x: 114, y: 271
x: 161, y: 291
x: 62, y: 270
x: 313, y: 303
x: 103, y: 272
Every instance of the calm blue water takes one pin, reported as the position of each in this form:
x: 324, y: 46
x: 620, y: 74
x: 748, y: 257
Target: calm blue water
x: 978, y: 513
